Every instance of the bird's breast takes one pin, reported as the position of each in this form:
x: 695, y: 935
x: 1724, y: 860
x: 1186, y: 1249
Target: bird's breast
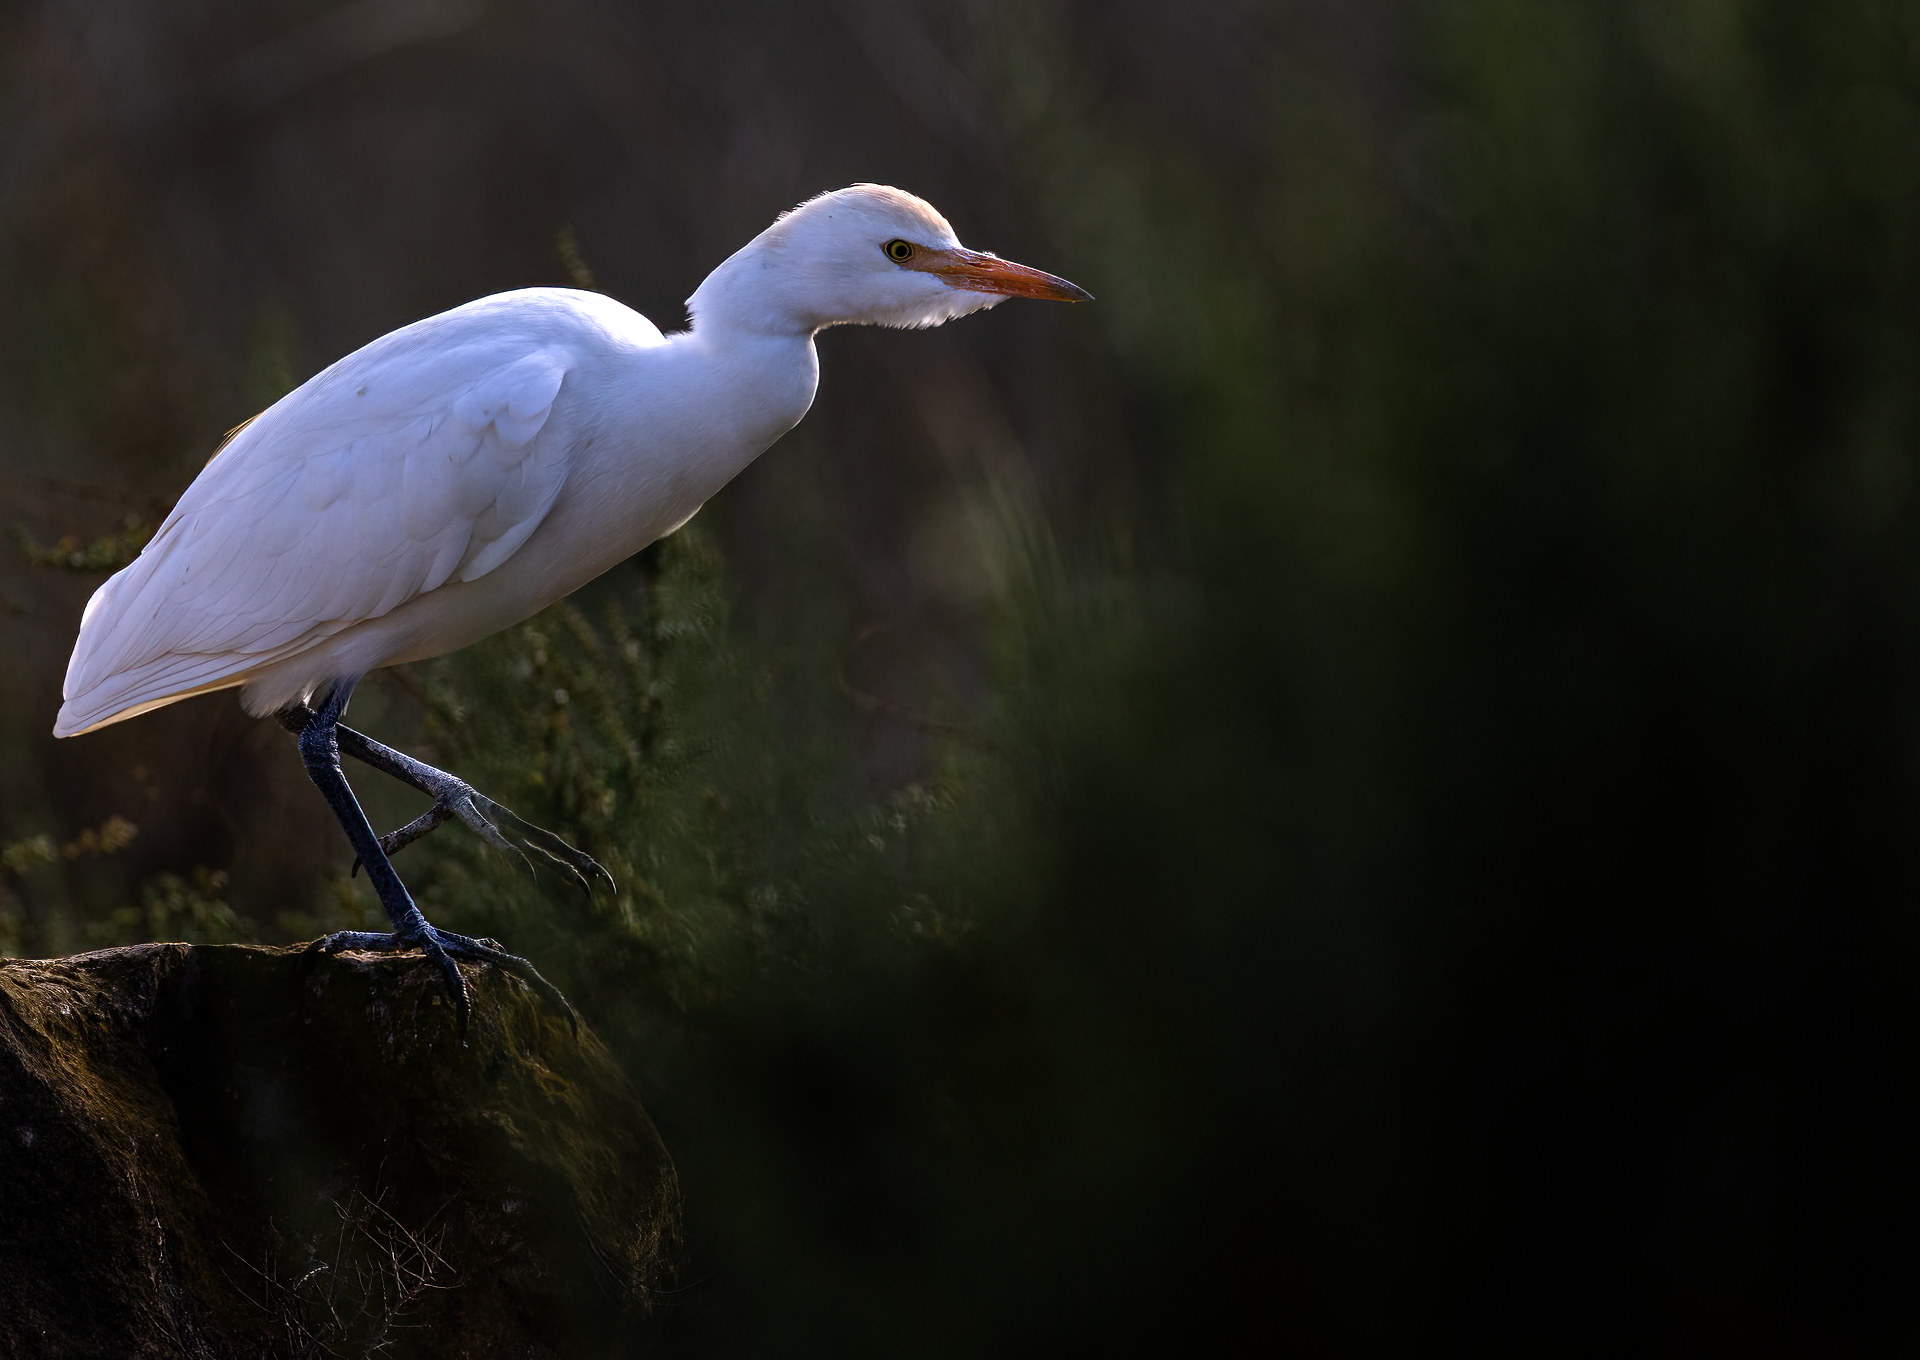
x: 654, y: 440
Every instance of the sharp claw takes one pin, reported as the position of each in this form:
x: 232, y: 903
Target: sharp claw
x: 576, y: 862
x: 443, y: 947
x: 521, y: 855
x: 489, y: 951
x: 564, y: 864
x: 455, y: 982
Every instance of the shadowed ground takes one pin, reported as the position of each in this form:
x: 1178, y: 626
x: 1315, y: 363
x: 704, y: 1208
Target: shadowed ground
x: 204, y: 1152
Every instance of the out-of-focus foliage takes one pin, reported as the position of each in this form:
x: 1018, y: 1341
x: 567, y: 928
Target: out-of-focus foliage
x: 108, y: 553
x: 19, y: 858
x: 175, y: 908
x: 1431, y: 850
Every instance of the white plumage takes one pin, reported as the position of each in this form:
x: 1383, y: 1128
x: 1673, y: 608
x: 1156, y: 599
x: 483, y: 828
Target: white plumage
x: 456, y: 476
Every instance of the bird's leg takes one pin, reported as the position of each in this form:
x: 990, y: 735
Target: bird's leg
x: 320, y: 751
x: 453, y: 797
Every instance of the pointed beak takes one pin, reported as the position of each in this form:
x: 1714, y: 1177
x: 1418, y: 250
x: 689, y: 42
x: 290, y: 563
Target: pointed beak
x: 978, y: 272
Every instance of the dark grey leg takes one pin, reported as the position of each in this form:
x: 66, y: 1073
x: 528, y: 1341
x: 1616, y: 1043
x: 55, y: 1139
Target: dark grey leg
x: 452, y: 797
x: 320, y: 747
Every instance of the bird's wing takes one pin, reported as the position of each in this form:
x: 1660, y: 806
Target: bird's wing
x: 364, y: 488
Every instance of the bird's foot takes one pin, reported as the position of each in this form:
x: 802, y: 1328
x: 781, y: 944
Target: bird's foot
x: 443, y: 947
x: 500, y: 827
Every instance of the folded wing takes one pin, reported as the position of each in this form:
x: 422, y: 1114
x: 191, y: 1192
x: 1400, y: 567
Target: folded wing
x: 368, y: 486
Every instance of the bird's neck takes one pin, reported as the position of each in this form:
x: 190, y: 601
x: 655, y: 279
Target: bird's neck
x: 750, y: 293
x: 732, y: 392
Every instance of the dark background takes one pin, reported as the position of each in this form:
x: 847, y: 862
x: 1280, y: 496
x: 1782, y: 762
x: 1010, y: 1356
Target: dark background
x: 1362, y: 786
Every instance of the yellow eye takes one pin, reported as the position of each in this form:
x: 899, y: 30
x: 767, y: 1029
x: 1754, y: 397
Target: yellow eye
x: 899, y: 251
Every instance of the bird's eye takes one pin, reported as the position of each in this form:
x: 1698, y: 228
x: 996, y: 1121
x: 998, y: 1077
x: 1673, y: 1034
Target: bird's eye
x: 899, y: 251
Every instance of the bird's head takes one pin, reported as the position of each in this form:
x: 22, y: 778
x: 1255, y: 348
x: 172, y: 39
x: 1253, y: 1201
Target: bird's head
x: 865, y: 255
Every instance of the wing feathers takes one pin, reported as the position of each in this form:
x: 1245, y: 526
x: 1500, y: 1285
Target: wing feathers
x: 336, y: 505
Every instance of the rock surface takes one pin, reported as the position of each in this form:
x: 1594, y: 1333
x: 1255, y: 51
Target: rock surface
x: 213, y: 1151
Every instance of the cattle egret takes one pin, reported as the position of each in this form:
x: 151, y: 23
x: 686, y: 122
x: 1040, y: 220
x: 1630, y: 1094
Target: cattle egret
x: 455, y: 477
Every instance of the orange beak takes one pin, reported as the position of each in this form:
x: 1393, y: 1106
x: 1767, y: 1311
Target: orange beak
x: 978, y: 272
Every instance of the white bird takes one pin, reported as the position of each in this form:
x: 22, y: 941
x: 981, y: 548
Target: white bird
x: 458, y: 475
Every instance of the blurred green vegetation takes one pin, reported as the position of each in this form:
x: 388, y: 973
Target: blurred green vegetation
x: 1429, y: 846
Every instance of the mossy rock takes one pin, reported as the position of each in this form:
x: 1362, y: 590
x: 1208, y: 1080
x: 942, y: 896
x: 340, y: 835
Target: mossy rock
x: 215, y: 1150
